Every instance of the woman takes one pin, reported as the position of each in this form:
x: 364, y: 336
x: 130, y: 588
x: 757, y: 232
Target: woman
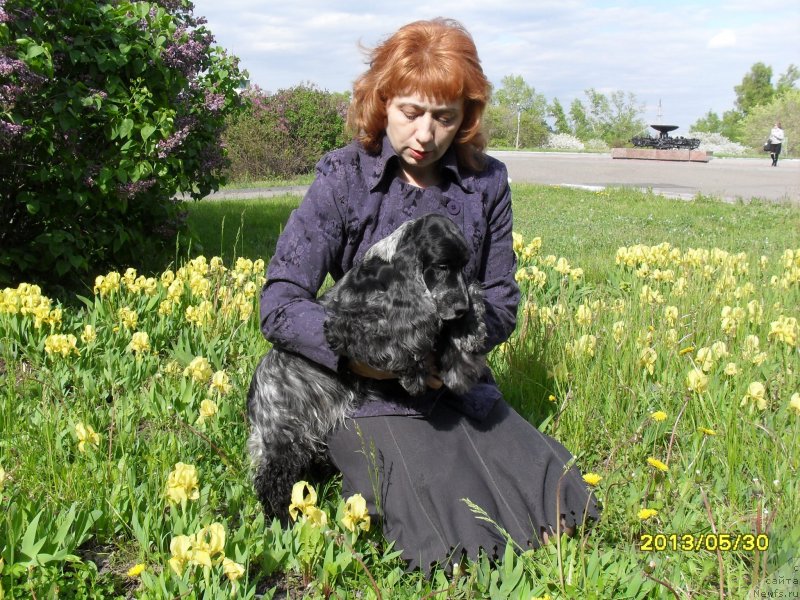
x: 775, y: 142
x: 416, y: 114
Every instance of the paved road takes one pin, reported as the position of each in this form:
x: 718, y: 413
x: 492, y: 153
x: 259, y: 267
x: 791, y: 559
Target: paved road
x: 731, y: 179
x: 727, y: 178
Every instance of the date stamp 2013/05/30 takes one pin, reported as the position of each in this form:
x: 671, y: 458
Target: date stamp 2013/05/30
x: 696, y: 542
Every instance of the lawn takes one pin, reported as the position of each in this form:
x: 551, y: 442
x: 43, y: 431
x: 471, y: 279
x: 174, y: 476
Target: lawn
x: 657, y: 339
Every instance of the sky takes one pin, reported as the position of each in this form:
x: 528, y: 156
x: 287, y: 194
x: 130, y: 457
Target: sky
x: 685, y: 55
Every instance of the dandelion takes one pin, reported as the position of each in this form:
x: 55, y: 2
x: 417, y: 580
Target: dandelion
x: 303, y: 498
x: 199, y: 369
x: 89, y: 334
x: 592, y: 479
x: 183, y: 484
x: 355, y: 513
x: 140, y: 342
x: 657, y: 464
x: 646, y: 513
x: 706, y: 431
x: 658, y: 416
x: 63, y: 344
x: 86, y: 435
x: 208, y: 408
x: 794, y: 404
x: 687, y: 350
x: 551, y: 398
x: 756, y: 393
x: 136, y: 570
x: 221, y: 383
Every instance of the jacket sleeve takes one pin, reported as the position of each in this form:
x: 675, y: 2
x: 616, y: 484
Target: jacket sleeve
x: 499, y: 265
x: 307, y: 250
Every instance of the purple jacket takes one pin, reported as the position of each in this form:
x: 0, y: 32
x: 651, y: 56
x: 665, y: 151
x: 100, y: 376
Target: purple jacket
x: 357, y: 200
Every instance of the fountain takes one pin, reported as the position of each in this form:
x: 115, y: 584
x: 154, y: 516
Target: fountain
x: 663, y: 147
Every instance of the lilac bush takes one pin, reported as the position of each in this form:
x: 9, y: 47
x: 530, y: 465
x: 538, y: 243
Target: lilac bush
x: 108, y: 109
x: 284, y: 133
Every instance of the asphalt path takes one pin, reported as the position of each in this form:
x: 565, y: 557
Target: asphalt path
x: 730, y: 179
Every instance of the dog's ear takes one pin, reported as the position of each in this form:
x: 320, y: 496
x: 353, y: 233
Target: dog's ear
x: 461, y: 357
x: 381, y: 315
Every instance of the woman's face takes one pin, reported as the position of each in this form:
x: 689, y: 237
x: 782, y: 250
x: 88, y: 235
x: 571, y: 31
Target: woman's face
x: 420, y: 131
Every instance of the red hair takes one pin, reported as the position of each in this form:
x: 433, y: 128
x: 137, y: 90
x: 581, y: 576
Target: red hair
x: 435, y: 59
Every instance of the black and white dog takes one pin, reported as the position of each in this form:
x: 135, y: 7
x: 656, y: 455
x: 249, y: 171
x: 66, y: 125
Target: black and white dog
x: 407, y: 300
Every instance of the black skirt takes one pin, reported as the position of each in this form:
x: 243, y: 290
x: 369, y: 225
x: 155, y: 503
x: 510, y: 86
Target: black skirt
x: 415, y: 471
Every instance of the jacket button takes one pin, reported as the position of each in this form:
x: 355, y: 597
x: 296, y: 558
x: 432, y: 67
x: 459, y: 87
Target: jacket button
x: 453, y: 208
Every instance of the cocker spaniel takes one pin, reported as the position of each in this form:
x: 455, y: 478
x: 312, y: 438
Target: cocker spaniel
x: 406, y: 301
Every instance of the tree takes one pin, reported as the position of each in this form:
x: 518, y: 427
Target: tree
x: 709, y: 123
x: 517, y: 95
x: 613, y: 119
x: 784, y: 108
x: 755, y: 89
x: 787, y: 80
x: 108, y: 108
x: 556, y: 112
x: 581, y: 126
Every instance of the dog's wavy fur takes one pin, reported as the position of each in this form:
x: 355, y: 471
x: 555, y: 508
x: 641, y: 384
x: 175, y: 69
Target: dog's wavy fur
x: 407, y: 300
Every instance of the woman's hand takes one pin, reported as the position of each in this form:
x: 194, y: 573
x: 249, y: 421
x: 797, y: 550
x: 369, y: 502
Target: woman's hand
x: 364, y: 370
x: 433, y: 381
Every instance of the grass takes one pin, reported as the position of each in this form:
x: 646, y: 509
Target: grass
x: 271, y: 182
x: 606, y: 341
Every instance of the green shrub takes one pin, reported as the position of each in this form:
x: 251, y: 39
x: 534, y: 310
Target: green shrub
x: 107, y: 109
x: 286, y: 133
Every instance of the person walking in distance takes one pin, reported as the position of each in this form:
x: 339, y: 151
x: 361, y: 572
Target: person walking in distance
x: 775, y: 140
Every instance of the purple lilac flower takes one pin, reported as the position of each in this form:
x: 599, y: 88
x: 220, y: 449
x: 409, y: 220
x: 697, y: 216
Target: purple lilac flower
x: 214, y: 102
x: 168, y: 146
x: 131, y: 189
x: 9, y: 130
